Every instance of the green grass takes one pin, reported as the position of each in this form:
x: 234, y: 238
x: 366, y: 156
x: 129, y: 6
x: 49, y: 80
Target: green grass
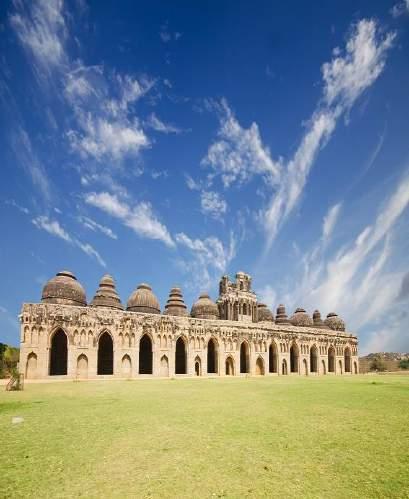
x: 329, y: 437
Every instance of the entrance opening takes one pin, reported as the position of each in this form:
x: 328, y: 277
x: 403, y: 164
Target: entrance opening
x: 229, y: 367
x: 212, y: 356
x: 58, y: 354
x: 31, y: 366
x: 145, y: 355
x: 331, y: 360
x: 340, y: 367
x: 294, y: 358
x: 82, y: 366
x: 126, y: 366
x: 314, y: 359
x: 284, y: 367
x: 180, y: 357
x: 105, y: 354
x: 244, y: 358
x: 259, y: 367
x: 272, y: 358
x: 347, y: 360
x: 198, y: 366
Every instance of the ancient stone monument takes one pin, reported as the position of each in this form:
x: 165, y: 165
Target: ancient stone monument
x: 234, y: 336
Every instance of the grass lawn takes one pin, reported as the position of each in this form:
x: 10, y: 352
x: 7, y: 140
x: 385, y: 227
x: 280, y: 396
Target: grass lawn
x: 281, y: 437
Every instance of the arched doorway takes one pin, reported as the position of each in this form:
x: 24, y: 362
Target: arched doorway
x: 212, y: 356
x: 105, y: 354
x: 314, y: 359
x: 331, y: 359
x: 259, y: 367
x: 305, y: 367
x: 180, y: 356
x: 58, y: 354
x: 145, y: 355
x: 323, y: 368
x: 229, y: 366
x: 284, y: 370
x: 272, y: 358
x: 294, y: 358
x: 164, y: 366
x: 244, y: 358
x: 31, y: 366
x: 126, y: 366
x: 340, y: 367
x: 198, y: 366
x: 347, y: 359
x: 82, y: 366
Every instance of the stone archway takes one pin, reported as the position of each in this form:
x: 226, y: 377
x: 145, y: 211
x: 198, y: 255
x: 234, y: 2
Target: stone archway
x: 145, y: 355
x: 198, y: 366
x: 314, y: 359
x: 58, y: 354
x: 229, y: 366
x: 347, y: 360
x: 82, y: 366
x: 294, y: 356
x: 212, y: 357
x: 272, y: 358
x: 31, y: 366
x: 105, y: 354
x: 180, y: 357
x: 331, y: 359
x: 164, y: 366
x: 244, y: 357
x: 126, y: 366
x: 259, y: 367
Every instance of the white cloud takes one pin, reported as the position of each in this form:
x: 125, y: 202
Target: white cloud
x: 94, y: 226
x: 345, y: 78
x: 330, y: 220
x: 159, y: 126
x: 54, y: 228
x: 400, y: 8
x: 213, y: 204
x: 239, y: 153
x: 20, y: 208
x: 140, y: 218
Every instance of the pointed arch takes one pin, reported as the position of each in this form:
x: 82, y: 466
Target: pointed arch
x: 105, y: 353
x: 82, y: 366
x: 331, y: 359
x: 31, y: 366
x: 145, y: 354
x: 164, y: 366
x: 259, y: 367
x: 126, y: 366
x: 212, y: 356
x: 294, y: 357
x: 229, y: 366
x: 272, y: 358
x: 314, y: 359
x: 198, y: 366
x: 181, y: 356
x: 347, y: 360
x: 58, y: 353
x: 244, y: 357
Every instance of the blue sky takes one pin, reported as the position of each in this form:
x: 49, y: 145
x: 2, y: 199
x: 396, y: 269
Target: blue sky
x: 173, y: 142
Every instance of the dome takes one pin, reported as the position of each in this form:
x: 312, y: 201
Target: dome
x: 281, y: 315
x: 205, y: 308
x: 64, y: 289
x: 301, y: 318
x: 264, y: 313
x: 175, y: 304
x: 143, y: 300
x: 106, y: 295
x: 334, y: 322
x: 318, y: 322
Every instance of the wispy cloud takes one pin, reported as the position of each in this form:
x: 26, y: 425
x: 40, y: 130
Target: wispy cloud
x: 159, y: 126
x: 330, y: 220
x: 239, y: 153
x: 213, y: 204
x: 400, y: 8
x: 95, y: 226
x: 54, y: 228
x: 345, y: 78
x: 140, y: 217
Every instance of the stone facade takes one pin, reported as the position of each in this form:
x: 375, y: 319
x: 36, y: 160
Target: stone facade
x: 64, y: 337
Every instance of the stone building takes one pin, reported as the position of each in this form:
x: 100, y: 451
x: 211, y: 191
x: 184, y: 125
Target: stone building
x: 63, y: 336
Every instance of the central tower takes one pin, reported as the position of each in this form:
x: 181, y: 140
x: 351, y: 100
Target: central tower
x: 237, y: 302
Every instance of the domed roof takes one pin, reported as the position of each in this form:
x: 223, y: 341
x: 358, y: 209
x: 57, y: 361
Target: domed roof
x: 334, y: 322
x: 301, y: 318
x: 205, y: 308
x: 175, y: 304
x: 264, y: 313
x: 143, y: 300
x: 281, y: 315
x: 318, y: 322
x: 106, y: 295
x: 64, y: 289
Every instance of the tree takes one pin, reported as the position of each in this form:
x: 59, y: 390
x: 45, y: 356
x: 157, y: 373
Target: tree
x: 377, y: 364
x: 404, y: 364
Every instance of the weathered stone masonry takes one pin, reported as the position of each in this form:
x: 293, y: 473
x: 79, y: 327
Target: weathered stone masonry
x: 63, y: 336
